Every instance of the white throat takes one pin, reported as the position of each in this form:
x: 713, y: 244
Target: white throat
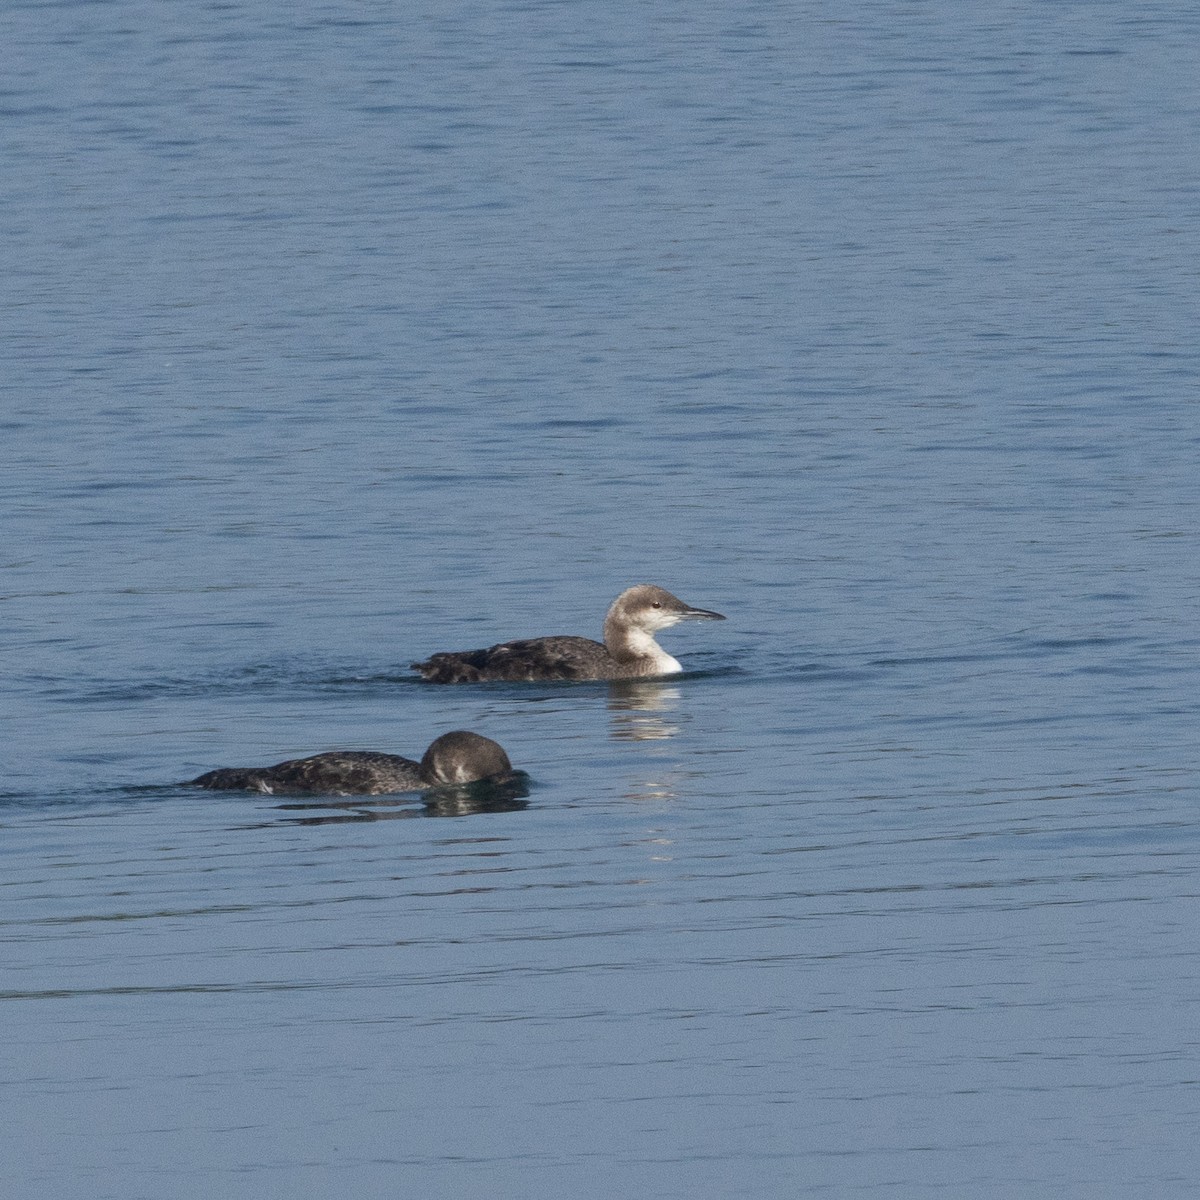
x: 642, y: 644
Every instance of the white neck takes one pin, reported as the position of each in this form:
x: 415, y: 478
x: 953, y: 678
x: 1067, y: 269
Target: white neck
x: 640, y: 644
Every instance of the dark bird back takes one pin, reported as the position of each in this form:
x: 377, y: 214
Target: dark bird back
x: 454, y: 758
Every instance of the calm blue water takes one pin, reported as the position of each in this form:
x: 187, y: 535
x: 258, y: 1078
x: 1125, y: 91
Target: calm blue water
x: 337, y: 334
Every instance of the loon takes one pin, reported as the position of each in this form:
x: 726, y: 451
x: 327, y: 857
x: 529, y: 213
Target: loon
x: 454, y: 758
x: 628, y: 651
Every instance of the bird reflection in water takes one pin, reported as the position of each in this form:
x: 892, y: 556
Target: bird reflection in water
x: 640, y: 709
x: 664, y: 787
x: 504, y: 795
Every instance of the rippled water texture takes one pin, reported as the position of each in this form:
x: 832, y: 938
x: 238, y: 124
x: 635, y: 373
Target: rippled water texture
x: 339, y: 334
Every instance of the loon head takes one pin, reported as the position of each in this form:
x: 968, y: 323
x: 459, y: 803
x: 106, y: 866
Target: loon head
x: 463, y: 757
x: 649, y: 608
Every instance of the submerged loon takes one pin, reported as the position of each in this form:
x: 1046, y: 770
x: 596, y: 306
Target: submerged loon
x: 628, y: 651
x: 458, y: 757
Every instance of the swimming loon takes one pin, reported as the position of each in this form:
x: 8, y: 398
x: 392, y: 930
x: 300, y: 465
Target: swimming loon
x: 458, y: 757
x: 629, y: 650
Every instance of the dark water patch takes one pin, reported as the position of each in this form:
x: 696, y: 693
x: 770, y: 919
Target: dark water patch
x: 352, y: 814
x: 1096, y: 718
x: 937, y: 659
x: 765, y: 667
x: 262, y: 679
x: 1077, y: 643
x: 581, y: 424
x: 179, y: 989
x: 85, y: 801
x: 483, y: 796
x: 92, y: 918
x: 1009, y: 647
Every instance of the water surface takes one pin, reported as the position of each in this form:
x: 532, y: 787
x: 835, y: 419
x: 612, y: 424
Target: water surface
x: 336, y: 337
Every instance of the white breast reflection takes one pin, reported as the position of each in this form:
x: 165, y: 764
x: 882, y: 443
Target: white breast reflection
x: 641, y: 710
